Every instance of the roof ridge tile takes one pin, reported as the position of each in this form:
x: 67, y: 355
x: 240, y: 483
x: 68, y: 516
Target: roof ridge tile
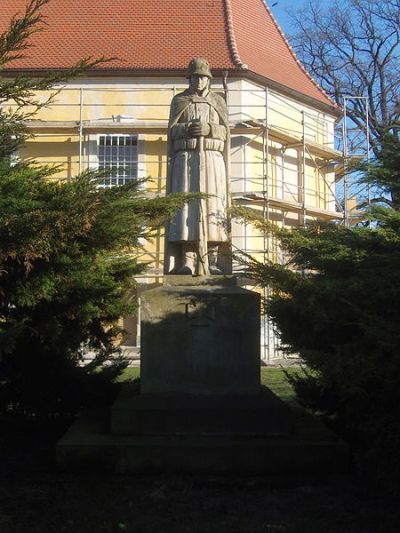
x: 232, y: 43
x: 291, y: 50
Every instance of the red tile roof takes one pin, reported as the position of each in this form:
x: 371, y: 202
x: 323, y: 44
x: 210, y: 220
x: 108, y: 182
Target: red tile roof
x: 163, y: 35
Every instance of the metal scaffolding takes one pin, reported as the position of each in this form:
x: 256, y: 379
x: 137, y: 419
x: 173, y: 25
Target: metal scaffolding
x: 261, y: 182
x: 356, y: 146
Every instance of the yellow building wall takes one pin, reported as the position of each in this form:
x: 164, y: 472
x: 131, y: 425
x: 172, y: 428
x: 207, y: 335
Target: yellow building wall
x: 60, y: 150
x: 125, y: 104
x: 270, y: 170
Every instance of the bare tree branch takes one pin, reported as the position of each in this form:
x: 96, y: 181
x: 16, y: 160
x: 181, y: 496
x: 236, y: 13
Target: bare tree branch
x: 352, y: 49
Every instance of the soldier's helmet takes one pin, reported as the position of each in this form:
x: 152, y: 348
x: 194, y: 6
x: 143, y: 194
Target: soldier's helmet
x: 199, y: 67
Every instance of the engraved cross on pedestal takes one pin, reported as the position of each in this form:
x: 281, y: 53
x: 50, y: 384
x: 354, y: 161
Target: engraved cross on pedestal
x: 200, y: 315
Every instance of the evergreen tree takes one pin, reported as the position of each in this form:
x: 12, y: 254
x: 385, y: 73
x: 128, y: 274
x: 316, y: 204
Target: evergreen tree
x: 336, y: 305
x: 67, y: 255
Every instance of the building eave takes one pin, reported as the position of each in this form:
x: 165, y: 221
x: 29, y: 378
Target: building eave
x: 237, y: 73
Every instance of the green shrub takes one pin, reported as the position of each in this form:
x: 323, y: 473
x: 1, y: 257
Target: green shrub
x: 68, y: 257
x: 336, y: 305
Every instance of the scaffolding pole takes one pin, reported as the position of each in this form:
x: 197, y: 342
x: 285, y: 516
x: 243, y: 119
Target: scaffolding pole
x: 80, y: 129
x: 368, y: 148
x: 347, y: 154
x: 304, y: 169
x: 345, y: 166
x: 267, y: 289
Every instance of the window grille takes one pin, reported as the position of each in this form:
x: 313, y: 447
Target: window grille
x: 118, y: 157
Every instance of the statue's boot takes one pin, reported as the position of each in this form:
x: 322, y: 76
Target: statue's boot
x: 213, y: 259
x: 189, y: 261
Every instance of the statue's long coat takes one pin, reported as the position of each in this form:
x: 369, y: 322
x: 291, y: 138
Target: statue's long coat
x: 199, y: 168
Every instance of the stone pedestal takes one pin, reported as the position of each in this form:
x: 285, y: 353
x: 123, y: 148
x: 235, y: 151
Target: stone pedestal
x: 200, y: 364
x: 199, y: 405
x: 200, y: 336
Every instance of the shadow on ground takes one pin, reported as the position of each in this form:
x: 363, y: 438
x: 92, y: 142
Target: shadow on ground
x: 35, y: 498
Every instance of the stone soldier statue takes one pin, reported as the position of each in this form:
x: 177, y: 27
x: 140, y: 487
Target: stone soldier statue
x: 197, y: 238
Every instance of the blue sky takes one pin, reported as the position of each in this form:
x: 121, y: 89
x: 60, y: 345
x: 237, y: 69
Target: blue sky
x: 280, y: 14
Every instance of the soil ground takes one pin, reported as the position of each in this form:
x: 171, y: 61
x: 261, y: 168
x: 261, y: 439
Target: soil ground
x: 35, y: 498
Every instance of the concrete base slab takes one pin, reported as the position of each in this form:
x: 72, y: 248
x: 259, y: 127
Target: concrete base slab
x: 310, y: 449
x: 261, y: 413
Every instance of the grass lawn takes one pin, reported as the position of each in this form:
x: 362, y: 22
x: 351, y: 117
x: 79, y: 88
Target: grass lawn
x: 34, y: 498
x: 274, y: 378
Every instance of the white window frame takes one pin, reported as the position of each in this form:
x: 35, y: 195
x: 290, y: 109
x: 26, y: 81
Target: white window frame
x: 93, y: 145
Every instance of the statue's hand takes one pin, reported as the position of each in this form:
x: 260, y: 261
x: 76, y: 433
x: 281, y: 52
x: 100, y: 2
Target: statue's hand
x: 199, y: 129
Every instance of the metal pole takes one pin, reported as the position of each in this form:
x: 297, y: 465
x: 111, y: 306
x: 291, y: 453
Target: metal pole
x: 345, y: 161
x: 244, y: 160
x: 304, y: 170
x: 266, y: 159
x: 266, y: 290
x: 368, y: 147
x: 80, y: 129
